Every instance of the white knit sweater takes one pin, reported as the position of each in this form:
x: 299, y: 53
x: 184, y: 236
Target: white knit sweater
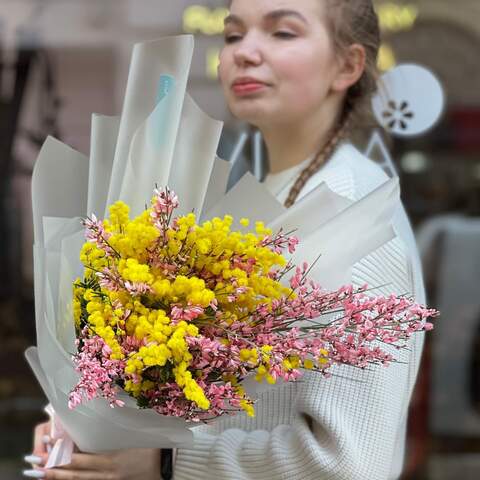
x: 348, y: 427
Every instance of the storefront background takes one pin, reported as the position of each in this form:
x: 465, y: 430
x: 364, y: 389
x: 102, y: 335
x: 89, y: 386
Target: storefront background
x: 61, y: 60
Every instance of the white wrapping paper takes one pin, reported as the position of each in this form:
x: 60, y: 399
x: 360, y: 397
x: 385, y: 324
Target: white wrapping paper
x: 161, y: 138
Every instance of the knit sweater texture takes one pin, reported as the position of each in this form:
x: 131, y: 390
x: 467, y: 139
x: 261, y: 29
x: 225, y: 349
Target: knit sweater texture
x: 351, y: 426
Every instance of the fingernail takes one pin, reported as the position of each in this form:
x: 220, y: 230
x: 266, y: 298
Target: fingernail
x: 33, y: 459
x: 34, y: 473
x: 46, y: 439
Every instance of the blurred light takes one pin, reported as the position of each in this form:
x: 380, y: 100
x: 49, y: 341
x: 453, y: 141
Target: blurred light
x: 386, y: 57
x: 476, y: 171
x: 204, y: 20
x: 213, y: 60
x: 415, y: 162
x: 394, y: 17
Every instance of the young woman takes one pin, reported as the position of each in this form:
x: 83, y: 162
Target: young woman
x: 300, y: 70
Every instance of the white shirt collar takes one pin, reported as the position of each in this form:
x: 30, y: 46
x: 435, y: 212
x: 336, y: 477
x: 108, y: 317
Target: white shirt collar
x: 279, y: 184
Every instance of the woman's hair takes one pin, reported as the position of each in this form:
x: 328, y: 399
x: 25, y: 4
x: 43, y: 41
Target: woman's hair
x: 349, y: 22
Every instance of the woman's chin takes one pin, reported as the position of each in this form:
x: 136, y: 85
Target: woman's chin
x: 256, y: 115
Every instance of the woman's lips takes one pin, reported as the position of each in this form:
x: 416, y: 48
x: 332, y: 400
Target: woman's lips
x: 249, y: 87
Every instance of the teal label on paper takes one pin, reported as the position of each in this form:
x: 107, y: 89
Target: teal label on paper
x: 159, y: 120
x: 165, y: 84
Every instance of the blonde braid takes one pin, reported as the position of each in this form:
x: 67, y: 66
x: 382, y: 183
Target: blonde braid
x: 321, y: 157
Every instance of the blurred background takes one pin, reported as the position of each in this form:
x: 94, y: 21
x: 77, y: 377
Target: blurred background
x: 61, y: 60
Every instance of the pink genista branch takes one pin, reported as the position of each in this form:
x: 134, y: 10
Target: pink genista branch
x: 110, y: 279
x: 189, y: 313
x: 98, y: 373
x: 163, y: 204
x: 281, y: 241
x: 95, y: 233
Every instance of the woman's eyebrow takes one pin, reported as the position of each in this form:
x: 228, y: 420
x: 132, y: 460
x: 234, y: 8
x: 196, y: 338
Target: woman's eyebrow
x: 274, y: 15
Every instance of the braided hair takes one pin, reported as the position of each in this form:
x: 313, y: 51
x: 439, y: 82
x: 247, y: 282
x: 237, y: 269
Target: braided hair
x: 348, y: 24
x: 320, y: 158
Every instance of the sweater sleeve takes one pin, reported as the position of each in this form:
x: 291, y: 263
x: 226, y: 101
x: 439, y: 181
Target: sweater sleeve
x: 350, y: 426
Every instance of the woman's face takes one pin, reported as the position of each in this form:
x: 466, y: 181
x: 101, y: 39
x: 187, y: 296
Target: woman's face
x: 278, y: 63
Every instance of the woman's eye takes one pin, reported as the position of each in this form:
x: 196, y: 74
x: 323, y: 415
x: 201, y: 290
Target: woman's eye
x: 284, y: 35
x: 279, y: 34
x: 232, y: 38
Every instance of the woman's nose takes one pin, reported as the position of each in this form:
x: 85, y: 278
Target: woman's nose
x: 248, y: 52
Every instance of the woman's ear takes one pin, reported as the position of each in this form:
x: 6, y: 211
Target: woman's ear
x: 351, y: 68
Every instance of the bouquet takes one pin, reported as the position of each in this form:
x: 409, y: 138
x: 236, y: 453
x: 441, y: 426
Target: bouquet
x: 178, y: 314
x: 178, y: 306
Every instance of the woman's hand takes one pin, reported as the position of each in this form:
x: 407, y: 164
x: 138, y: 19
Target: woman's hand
x: 134, y: 464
